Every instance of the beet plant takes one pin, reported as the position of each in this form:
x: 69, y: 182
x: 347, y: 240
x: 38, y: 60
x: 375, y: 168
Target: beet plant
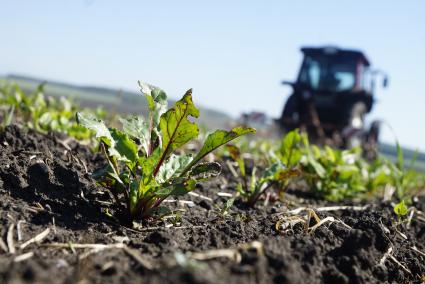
x: 146, y: 163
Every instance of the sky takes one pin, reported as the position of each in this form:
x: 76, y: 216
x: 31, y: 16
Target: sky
x: 234, y: 54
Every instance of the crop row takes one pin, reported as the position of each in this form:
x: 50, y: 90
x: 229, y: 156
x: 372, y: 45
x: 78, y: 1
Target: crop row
x: 148, y: 158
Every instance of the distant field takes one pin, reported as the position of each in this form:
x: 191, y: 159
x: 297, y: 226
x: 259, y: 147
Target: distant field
x: 121, y: 101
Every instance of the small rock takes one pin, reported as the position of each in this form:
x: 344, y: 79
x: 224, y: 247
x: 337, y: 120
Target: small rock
x: 61, y: 263
x: 204, y: 204
x: 109, y: 268
x: 156, y: 238
x: 40, y: 167
x: 121, y: 239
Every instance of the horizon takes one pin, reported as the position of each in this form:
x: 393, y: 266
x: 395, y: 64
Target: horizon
x: 242, y: 49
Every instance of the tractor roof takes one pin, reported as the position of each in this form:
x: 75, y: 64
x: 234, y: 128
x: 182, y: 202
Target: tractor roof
x: 331, y: 50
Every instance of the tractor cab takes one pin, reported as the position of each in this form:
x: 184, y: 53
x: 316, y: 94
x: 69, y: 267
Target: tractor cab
x: 331, y: 70
x: 332, y: 94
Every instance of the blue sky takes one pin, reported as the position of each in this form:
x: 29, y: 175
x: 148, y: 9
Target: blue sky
x: 233, y: 53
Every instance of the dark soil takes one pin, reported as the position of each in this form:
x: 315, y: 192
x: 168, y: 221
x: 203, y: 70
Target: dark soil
x: 45, y: 183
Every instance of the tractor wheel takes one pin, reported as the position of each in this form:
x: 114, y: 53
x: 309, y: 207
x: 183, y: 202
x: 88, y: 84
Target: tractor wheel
x: 370, y: 146
x: 289, y: 119
x: 357, y: 115
x: 353, y: 131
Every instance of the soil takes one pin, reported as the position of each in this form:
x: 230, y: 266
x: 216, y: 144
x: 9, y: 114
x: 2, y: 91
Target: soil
x: 45, y: 183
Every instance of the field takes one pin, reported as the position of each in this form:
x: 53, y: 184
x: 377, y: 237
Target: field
x: 253, y: 211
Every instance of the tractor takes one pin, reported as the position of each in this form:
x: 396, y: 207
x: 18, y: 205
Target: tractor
x: 331, y: 97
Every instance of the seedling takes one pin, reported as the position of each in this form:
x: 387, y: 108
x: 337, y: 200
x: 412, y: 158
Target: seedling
x: 174, y: 218
x: 402, y: 177
x: 400, y: 209
x: 275, y: 175
x: 291, y: 148
x: 145, y: 161
x: 224, y: 210
x: 7, y: 117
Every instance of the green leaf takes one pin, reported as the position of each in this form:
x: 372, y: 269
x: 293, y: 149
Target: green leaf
x: 318, y: 168
x: 226, y: 207
x: 172, y: 167
x: 39, y: 100
x: 229, y: 203
x: 148, y: 164
x: 290, y: 150
x: 63, y: 120
x: 176, y: 129
x: 401, y: 209
x: 216, y: 139
x: 270, y: 172
x: 66, y: 104
x: 134, y: 195
x: 240, y: 189
x: 45, y: 118
x: 331, y: 154
x: 347, y: 171
x: 9, y: 116
x: 176, y: 189
x: 380, y: 178
x: 125, y: 147
x: 400, y: 158
x: 253, y: 182
x: 278, y: 172
x: 101, y: 131
x: 316, y: 152
x: 204, y: 171
x: 157, y: 104
x: 285, y: 174
x: 137, y: 128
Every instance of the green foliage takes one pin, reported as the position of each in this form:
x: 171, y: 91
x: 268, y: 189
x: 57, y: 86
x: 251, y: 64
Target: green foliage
x: 224, y: 210
x: 291, y: 148
x: 400, y: 209
x: 335, y: 174
x: 144, y: 165
x: 263, y: 151
x: 252, y: 188
x: 332, y: 174
x: 147, y: 161
x: 405, y: 180
x: 401, y: 177
x: 6, y: 116
x: 40, y: 112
